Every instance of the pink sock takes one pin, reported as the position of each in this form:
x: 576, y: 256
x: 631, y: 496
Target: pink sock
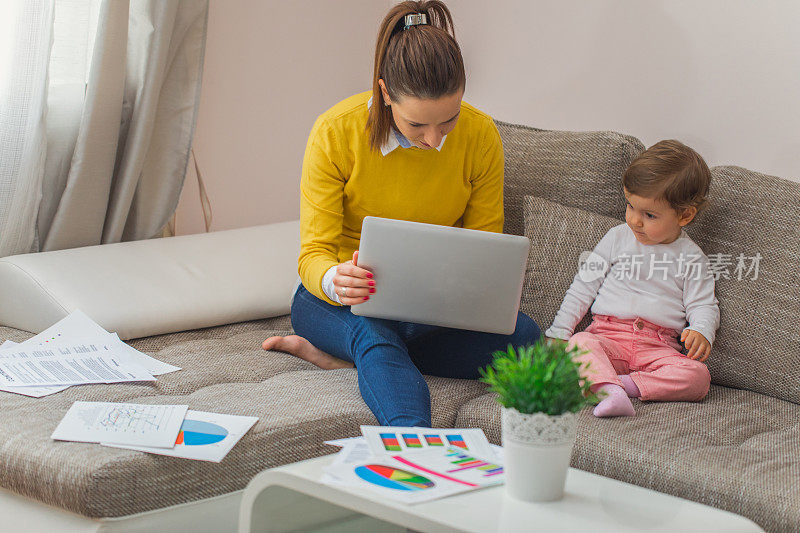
x: 614, y: 402
x: 629, y: 386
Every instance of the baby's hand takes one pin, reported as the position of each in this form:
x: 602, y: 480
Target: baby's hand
x: 698, y: 346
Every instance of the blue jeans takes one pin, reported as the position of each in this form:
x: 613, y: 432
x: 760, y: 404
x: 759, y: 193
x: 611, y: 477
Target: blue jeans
x: 391, y: 356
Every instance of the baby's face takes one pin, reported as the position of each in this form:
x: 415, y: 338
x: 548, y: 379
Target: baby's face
x: 653, y: 221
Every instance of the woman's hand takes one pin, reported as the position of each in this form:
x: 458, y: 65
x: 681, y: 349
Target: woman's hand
x: 352, y: 283
x: 698, y: 346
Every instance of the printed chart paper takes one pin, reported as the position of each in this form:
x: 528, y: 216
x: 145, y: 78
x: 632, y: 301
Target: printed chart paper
x: 203, y: 436
x: 122, y: 423
x: 386, y: 440
x: 418, y: 476
x: 455, y: 464
x: 67, y: 363
x: 354, y: 450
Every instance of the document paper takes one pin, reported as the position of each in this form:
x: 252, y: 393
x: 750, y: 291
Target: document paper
x: 203, y: 436
x: 122, y: 423
x: 67, y: 363
x: 416, y: 476
x: 386, y: 440
x: 33, y: 392
x: 78, y: 326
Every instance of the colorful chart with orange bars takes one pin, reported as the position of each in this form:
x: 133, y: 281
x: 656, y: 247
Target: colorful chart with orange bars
x: 393, y: 478
x: 434, y: 440
x: 412, y: 440
x: 390, y: 442
x: 463, y: 461
x: 457, y: 440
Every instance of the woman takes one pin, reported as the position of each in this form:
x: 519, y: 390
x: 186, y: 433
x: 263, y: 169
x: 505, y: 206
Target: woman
x: 410, y: 149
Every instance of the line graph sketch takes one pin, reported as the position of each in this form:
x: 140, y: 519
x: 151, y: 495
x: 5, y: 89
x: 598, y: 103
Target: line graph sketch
x: 132, y: 418
x: 122, y: 423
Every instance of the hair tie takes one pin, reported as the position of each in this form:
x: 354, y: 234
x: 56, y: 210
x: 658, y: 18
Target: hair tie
x: 415, y: 20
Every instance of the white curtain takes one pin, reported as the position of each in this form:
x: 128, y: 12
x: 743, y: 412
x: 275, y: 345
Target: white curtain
x: 118, y: 122
x: 26, y: 29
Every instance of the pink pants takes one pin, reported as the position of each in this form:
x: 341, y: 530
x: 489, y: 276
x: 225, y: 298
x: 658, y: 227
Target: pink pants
x: 649, y: 353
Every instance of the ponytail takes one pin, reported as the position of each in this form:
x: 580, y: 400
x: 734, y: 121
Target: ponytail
x: 423, y: 61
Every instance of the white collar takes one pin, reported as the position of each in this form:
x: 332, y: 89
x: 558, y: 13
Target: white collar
x: 395, y: 139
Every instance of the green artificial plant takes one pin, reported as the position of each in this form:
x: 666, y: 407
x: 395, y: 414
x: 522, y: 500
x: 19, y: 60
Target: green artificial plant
x: 540, y: 378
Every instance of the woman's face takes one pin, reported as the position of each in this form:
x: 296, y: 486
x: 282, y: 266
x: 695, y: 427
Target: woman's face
x: 425, y: 122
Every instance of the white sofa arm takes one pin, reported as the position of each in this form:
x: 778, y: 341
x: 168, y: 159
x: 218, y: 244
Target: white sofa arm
x: 156, y: 286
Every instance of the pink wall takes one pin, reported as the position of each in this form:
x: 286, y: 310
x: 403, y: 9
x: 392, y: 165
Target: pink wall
x: 271, y: 67
x: 722, y: 75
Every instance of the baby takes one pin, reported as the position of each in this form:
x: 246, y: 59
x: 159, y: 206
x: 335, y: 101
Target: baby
x: 647, y: 279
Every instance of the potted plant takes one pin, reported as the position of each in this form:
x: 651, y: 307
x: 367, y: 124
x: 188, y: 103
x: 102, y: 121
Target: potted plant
x: 540, y: 389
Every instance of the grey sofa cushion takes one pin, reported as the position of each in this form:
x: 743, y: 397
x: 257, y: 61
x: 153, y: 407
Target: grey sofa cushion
x: 558, y: 235
x: 737, y: 450
x: 751, y: 213
x: 580, y: 169
x: 225, y: 371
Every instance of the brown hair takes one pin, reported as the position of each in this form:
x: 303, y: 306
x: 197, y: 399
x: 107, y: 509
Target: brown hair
x: 671, y: 171
x: 423, y: 61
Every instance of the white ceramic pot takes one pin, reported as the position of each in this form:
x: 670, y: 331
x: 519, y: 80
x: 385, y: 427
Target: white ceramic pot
x: 537, y: 449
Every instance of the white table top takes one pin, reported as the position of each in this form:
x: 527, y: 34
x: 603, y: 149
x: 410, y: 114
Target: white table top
x: 591, y: 503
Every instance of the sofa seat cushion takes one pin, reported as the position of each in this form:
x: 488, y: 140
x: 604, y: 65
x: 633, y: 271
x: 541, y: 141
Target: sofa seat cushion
x: 737, y: 450
x: 224, y: 371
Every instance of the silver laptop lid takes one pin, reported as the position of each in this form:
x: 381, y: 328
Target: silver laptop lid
x: 451, y: 277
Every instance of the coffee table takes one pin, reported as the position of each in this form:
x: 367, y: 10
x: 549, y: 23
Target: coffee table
x: 291, y: 498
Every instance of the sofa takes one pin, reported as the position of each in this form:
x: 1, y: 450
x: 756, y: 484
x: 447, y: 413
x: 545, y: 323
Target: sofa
x: 737, y: 450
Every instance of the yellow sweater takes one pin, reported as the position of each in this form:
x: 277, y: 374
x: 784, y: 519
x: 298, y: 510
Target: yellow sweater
x: 343, y: 181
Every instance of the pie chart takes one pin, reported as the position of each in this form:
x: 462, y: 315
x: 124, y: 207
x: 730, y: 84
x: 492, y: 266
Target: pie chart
x: 197, y: 433
x: 392, y: 478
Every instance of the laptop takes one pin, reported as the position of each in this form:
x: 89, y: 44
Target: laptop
x: 451, y: 277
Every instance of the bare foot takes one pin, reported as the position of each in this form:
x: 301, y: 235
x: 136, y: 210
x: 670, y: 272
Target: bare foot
x: 300, y: 347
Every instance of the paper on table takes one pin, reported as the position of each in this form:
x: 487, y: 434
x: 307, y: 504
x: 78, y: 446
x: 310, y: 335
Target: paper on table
x: 67, y: 363
x: 384, y: 440
x: 455, y: 464
x: 342, y: 442
x: 122, y: 423
x: 203, y: 436
x: 498, y: 451
x: 354, y: 450
x: 417, y: 476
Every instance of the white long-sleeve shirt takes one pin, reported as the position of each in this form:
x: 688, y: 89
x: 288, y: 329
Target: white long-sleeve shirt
x: 666, y: 284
